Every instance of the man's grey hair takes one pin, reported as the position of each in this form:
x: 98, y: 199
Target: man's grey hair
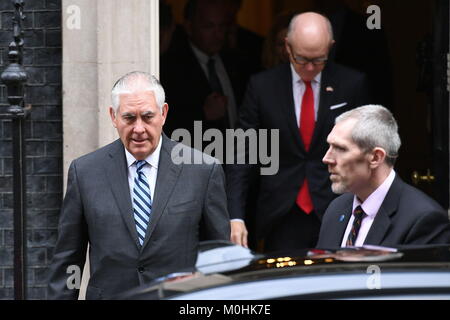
x: 129, y: 82
x: 291, y: 27
x: 375, y: 127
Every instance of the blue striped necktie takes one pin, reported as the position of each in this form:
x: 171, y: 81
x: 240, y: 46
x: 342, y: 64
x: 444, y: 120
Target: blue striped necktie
x: 142, y: 201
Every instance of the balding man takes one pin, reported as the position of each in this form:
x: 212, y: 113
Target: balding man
x: 301, y: 99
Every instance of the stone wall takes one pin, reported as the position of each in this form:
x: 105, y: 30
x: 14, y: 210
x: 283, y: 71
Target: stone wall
x: 42, y: 61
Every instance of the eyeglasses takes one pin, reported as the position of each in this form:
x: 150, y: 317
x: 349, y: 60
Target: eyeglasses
x: 304, y: 61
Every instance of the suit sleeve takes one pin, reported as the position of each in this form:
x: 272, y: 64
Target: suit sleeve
x: 70, y: 249
x: 215, y: 219
x: 239, y: 175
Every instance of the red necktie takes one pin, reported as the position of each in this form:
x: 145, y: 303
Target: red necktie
x: 307, y: 123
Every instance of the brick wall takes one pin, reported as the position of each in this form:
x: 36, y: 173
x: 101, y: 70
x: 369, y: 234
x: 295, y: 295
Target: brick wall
x: 42, y: 61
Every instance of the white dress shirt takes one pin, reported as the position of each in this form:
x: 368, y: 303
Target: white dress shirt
x: 223, y: 78
x: 298, y: 89
x: 370, y: 206
x: 150, y: 169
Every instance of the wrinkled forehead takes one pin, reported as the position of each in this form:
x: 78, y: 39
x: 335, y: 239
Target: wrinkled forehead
x: 137, y: 98
x: 137, y: 83
x: 309, y: 46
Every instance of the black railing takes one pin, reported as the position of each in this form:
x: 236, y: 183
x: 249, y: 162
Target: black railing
x: 14, y: 77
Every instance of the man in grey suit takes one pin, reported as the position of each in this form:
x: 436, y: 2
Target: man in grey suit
x: 141, y: 210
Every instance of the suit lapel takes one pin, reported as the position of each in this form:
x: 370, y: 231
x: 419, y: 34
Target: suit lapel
x: 382, y: 222
x: 343, y: 216
x: 327, y: 87
x: 166, y: 179
x: 285, y: 87
x: 117, y: 175
x: 379, y: 228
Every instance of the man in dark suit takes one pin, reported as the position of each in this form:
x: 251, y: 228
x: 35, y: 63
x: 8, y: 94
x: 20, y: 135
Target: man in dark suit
x: 301, y: 100
x: 202, y: 82
x: 140, y: 209
x: 377, y: 208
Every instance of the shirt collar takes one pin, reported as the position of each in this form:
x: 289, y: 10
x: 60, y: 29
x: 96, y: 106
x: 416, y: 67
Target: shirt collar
x: 296, y: 78
x: 152, y: 159
x: 201, y: 56
x: 376, y: 198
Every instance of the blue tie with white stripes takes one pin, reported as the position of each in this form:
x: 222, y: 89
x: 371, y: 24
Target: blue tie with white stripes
x: 142, y: 201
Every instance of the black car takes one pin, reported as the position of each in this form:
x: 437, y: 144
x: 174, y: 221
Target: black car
x: 225, y: 271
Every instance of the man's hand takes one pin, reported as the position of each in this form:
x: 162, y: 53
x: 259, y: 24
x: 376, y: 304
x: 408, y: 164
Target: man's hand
x: 239, y: 233
x: 215, y: 106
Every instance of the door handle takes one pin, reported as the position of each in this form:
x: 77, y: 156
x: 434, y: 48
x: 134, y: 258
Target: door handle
x: 417, y: 178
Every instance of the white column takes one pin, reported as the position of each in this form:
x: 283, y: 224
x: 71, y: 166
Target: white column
x: 102, y: 40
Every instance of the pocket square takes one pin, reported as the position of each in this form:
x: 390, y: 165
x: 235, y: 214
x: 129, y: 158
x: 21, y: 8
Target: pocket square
x: 337, y: 106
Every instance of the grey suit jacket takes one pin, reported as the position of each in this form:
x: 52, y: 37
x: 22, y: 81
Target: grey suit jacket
x: 406, y: 217
x: 189, y: 199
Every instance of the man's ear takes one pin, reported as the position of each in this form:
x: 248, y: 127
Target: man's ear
x: 377, y: 157
x: 332, y: 43
x: 112, y: 114
x: 286, y: 45
x: 164, y: 111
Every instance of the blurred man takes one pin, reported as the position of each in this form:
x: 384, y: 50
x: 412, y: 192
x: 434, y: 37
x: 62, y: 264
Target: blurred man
x: 167, y: 27
x: 203, y: 83
x: 140, y: 211
x: 301, y: 99
x: 377, y: 207
x: 246, y: 43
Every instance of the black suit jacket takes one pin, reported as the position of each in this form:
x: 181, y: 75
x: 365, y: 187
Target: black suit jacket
x: 97, y: 208
x: 269, y: 104
x: 186, y: 86
x: 406, y: 217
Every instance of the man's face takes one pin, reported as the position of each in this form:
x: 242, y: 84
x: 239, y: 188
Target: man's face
x: 348, y: 165
x: 139, y: 122
x: 208, y: 27
x: 308, y: 61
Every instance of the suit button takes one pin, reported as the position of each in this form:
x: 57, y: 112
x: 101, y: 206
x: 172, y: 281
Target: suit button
x: 141, y: 269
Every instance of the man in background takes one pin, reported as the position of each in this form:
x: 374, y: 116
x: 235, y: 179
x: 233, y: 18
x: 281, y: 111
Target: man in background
x: 301, y: 99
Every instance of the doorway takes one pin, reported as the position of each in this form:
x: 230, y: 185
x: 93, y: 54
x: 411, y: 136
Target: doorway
x: 417, y: 44
x: 417, y: 34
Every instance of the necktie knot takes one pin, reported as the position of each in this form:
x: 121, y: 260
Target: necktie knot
x: 139, y: 165
x: 359, y: 213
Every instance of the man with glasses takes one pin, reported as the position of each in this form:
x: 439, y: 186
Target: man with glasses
x: 300, y: 99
